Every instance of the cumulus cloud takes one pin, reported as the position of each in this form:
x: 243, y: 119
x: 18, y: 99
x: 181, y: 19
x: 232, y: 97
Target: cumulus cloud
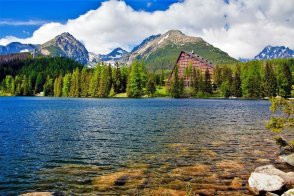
x: 241, y: 28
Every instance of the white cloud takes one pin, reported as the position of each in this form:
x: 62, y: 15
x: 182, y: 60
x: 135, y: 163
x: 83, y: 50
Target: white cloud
x: 252, y: 25
x: 22, y: 23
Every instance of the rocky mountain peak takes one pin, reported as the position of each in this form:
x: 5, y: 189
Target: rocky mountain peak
x: 66, y: 45
x: 273, y: 52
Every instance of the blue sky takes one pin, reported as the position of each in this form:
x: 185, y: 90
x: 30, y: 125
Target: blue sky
x: 242, y: 28
x: 20, y: 18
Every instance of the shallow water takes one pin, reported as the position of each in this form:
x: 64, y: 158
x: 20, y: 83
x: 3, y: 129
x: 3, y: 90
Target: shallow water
x: 132, y: 146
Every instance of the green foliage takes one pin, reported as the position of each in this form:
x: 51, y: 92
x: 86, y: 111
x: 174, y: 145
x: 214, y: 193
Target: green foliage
x: 58, y: 86
x: 270, y: 81
x: 236, y: 89
x: 151, y: 86
x: 48, y: 87
x: 225, y: 89
x: 135, y: 81
x: 165, y: 58
x: 66, y: 85
x: 177, y: 84
x: 283, y: 121
x: 284, y: 80
x: 64, y: 77
x: 251, y: 80
x: 75, y: 86
x: 207, y: 82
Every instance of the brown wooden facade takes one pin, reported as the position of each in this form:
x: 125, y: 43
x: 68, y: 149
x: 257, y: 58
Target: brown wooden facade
x: 186, y: 59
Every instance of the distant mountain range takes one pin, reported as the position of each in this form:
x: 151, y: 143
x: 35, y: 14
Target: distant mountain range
x: 274, y: 52
x: 161, y: 52
x: 64, y: 45
x: 114, y: 55
x: 158, y: 51
x: 16, y: 47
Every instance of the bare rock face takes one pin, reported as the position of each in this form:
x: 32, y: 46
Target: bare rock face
x: 269, y: 178
x: 66, y: 45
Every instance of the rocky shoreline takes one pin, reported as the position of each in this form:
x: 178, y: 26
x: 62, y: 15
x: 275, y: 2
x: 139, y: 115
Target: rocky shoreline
x: 272, y: 181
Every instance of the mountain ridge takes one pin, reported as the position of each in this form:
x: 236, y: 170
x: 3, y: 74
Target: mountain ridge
x: 65, y: 45
x: 273, y: 52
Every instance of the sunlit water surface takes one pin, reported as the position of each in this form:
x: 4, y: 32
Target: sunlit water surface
x: 132, y: 146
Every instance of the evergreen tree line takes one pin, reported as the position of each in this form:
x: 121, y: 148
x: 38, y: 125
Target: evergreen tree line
x: 62, y: 77
x: 255, y: 79
x: 102, y: 81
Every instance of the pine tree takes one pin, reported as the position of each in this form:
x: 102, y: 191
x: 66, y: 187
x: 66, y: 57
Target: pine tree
x: 48, y: 87
x: 285, y: 81
x: 75, y: 87
x: 270, y: 81
x: 66, y: 85
x: 135, y: 83
x: 58, y: 86
x: 162, y: 78
x: 151, y: 86
x: 252, y: 83
x: 177, y: 86
x: 84, y: 83
x: 237, y: 83
x: 225, y: 89
x: 117, y: 80
x: 105, y: 82
x: 25, y: 86
x: 94, y: 84
x: 39, y: 83
x: 207, y: 82
x: 9, y: 85
x: 217, y: 75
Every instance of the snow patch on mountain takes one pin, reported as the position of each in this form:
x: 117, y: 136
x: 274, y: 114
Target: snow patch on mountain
x: 274, y: 52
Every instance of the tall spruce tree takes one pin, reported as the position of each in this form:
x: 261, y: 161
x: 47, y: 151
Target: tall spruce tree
x: 151, y: 85
x: 177, y: 86
x: 75, y: 87
x: 66, y: 85
x: 285, y: 81
x: 58, y: 86
x: 237, y: 83
x: 135, y: 83
x: 207, y: 82
x: 48, y: 87
x: 270, y: 81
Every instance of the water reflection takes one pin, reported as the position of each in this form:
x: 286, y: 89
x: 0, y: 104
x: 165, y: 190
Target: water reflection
x: 131, y: 146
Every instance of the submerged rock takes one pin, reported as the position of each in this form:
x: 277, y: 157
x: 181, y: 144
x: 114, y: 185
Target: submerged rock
x: 236, y: 183
x: 129, y: 177
x: 38, y: 194
x: 288, y: 159
x: 164, y: 191
x: 229, y: 165
x: 289, y: 193
x: 198, y: 169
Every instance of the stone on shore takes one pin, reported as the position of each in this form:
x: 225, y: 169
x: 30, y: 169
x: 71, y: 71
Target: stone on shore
x: 265, y: 182
x: 289, y: 193
x: 269, y: 178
